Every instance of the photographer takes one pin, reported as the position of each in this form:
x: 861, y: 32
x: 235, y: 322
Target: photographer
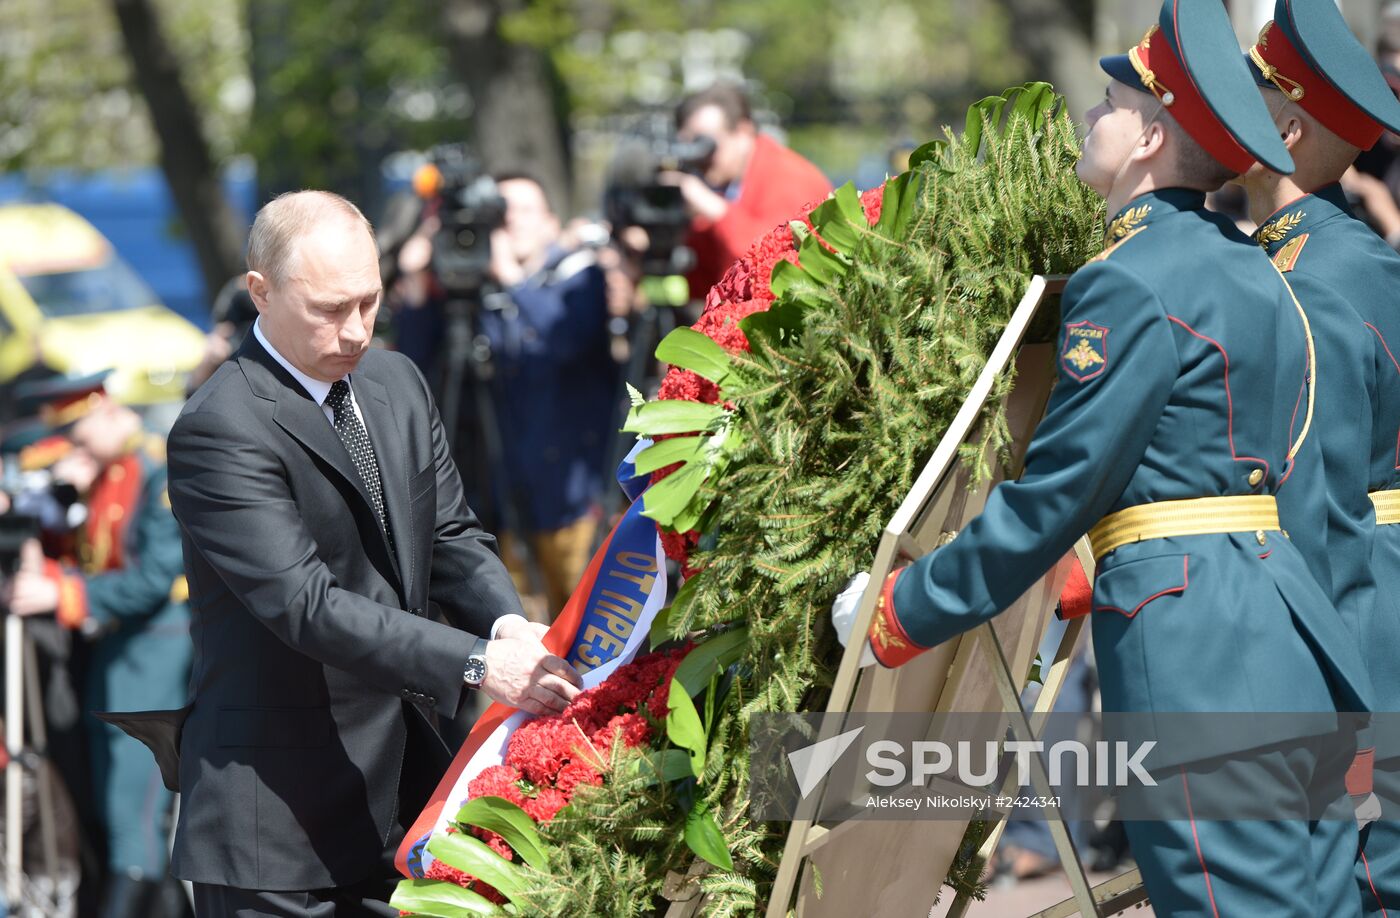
x: 128, y: 593
x: 749, y: 185
x: 554, y: 384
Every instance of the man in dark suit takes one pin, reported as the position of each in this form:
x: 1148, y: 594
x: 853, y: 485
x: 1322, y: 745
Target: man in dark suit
x: 326, y: 540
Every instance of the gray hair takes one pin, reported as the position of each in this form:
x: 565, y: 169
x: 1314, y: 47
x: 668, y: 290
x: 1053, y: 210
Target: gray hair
x: 272, y: 240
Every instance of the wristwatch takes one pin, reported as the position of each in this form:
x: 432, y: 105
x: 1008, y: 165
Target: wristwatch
x: 475, y: 672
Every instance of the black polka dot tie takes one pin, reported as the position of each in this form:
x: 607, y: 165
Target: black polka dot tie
x: 352, y: 433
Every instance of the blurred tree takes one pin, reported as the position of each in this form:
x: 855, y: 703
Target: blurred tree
x: 185, y: 155
x: 319, y: 93
x: 1057, y: 37
x: 67, y: 98
x: 518, y: 109
x: 339, y: 84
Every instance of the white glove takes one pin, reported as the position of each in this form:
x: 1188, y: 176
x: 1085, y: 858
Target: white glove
x: 1368, y: 810
x: 843, y: 615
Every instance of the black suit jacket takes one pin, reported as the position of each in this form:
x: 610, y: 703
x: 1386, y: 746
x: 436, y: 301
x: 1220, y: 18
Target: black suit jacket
x: 310, y: 634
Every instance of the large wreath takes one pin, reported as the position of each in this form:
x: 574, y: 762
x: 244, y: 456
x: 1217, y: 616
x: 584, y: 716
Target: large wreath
x: 797, y: 413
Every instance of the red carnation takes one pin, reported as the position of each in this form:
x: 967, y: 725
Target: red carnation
x: 495, y: 842
x: 438, y: 870
x: 632, y: 728
x: 873, y: 200
x: 577, y: 773
x: 497, y: 781
x: 545, y: 804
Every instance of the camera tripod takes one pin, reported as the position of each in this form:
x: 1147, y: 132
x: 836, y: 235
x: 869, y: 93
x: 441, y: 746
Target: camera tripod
x: 469, y: 363
x: 51, y: 891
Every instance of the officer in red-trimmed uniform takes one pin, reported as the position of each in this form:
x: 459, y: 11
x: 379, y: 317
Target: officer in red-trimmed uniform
x: 1330, y: 101
x: 127, y: 592
x: 1170, y: 431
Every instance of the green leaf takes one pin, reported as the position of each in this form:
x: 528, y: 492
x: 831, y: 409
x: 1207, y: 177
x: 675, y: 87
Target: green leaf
x: 668, y: 452
x: 897, y: 205
x: 690, y: 350
x: 664, y: 766
x: 672, y: 417
x: 683, y: 726
x: 927, y: 153
x: 1035, y: 674
x: 669, y: 499
x: 439, y: 899
x: 714, y: 655
x: 786, y: 277
x: 779, y: 324
x: 635, y: 396
x: 660, y: 631
x: 820, y: 263
x: 1037, y: 102
x: 709, y: 719
x: 840, y: 218
x: 680, y: 605
x: 703, y: 836
x: 496, y: 814
x: 470, y: 854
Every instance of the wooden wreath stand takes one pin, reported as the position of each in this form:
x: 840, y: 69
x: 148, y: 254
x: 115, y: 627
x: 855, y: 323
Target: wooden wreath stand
x: 881, y: 868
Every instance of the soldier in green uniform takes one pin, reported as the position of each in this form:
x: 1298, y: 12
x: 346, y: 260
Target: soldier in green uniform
x: 127, y: 592
x: 1181, y: 410
x: 1330, y: 102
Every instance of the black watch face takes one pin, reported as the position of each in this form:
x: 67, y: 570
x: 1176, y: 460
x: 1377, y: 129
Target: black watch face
x: 475, y: 671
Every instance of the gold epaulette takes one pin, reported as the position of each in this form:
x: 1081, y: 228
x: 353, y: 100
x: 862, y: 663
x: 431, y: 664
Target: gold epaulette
x: 1113, y: 248
x: 180, y: 590
x: 1286, y: 257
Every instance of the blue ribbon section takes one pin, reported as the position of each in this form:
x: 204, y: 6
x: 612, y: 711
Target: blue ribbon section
x: 626, y: 577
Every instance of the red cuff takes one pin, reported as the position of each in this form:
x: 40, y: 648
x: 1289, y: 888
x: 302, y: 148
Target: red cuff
x: 891, y: 644
x: 1359, y: 775
x: 72, y: 608
x: 1077, y: 598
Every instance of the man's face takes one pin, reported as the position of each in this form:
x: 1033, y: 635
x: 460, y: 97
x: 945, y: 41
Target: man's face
x: 321, y: 317
x: 733, y: 144
x: 1115, y: 126
x: 102, y: 435
x: 530, y: 225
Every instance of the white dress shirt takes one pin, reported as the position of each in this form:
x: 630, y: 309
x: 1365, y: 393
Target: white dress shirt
x: 319, y: 390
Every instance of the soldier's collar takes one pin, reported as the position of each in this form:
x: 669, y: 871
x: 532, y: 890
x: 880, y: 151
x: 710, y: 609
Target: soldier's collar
x: 1301, y: 216
x: 1153, y: 205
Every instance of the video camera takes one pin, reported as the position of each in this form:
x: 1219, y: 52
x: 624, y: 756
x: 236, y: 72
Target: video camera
x: 470, y: 207
x: 634, y: 197
x: 39, y: 503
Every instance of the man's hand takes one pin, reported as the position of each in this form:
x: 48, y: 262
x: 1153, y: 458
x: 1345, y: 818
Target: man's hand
x: 700, y: 199
x: 520, y: 672
x: 843, y: 615
x: 31, y: 594
x: 505, y: 270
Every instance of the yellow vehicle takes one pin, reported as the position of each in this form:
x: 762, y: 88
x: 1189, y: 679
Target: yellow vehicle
x: 69, y: 304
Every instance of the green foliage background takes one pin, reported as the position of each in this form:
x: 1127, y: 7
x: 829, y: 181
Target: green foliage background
x: 834, y: 426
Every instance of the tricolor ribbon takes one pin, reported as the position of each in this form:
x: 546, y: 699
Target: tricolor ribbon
x: 602, y: 626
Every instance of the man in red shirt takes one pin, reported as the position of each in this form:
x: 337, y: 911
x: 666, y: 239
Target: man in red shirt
x: 750, y: 185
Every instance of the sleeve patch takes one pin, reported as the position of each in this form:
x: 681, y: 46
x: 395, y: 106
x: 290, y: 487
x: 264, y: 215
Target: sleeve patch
x: 1085, y: 353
